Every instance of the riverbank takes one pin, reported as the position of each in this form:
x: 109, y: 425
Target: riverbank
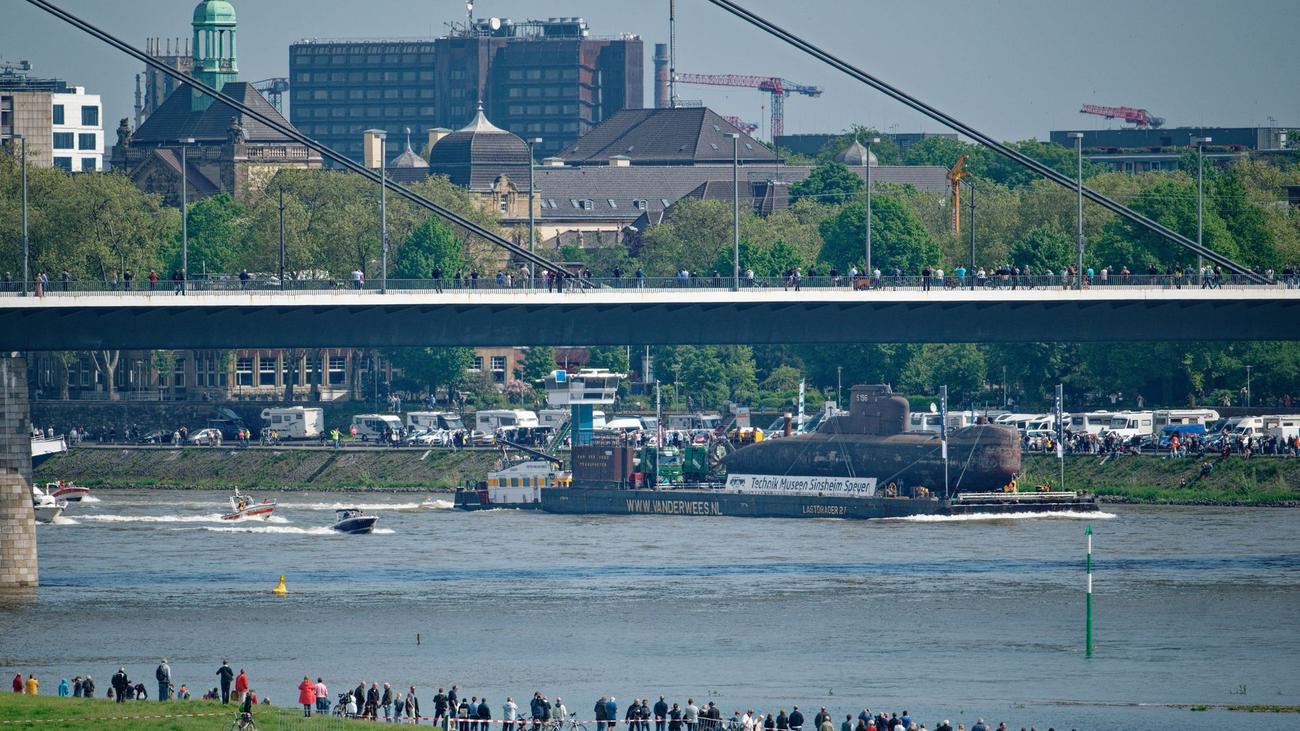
x: 76, y: 714
x: 1258, y: 481
x: 268, y: 468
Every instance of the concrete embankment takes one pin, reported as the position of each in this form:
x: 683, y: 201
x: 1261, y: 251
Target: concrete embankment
x: 269, y: 468
x: 1156, y: 479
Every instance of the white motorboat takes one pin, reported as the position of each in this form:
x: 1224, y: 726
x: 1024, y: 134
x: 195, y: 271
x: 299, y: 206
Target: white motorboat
x: 242, y: 506
x: 354, y: 521
x: 46, y: 506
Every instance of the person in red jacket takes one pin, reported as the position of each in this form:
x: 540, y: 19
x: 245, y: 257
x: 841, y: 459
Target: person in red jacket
x: 18, y: 683
x: 307, y: 695
x: 241, y: 685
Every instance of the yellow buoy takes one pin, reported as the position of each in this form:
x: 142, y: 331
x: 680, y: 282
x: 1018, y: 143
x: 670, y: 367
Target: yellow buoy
x: 280, y: 589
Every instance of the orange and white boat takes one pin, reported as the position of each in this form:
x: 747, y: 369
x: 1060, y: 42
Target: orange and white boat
x: 243, y: 506
x: 66, y: 491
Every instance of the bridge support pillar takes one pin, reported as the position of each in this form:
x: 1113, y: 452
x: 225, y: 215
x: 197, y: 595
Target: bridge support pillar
x: 17, y: 520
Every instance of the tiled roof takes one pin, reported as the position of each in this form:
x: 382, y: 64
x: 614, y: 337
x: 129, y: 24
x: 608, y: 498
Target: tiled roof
x: 477, y: 154
x: 682, y: 136
x: 176, y: 120
x: 170, y: 158
x: 612, y: 193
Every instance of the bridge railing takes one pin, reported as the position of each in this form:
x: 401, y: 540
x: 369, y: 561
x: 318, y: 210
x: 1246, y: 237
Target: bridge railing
x: 707, y: 282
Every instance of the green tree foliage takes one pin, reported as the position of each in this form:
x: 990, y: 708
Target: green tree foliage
x: 992, y: 166
x: 897, y: 237
x: 611, y: 358
x: 690, y: 238
x: 830, y: 183
x: 960, y: 367
x: 1171, y: 202
x: 1043, y: 249
x: 537, y: 365
x: 217, y: 229
x: 769, y: 261
x: 433, y: 369
x: 431, y: 246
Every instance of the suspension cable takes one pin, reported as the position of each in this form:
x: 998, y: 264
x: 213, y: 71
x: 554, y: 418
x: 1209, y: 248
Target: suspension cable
x: 1051, y: 174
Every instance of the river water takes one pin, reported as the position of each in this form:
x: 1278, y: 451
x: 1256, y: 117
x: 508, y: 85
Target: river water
x: 951, y: 619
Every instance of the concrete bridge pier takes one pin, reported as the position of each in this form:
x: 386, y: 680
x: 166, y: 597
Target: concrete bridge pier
x: 17, y: 520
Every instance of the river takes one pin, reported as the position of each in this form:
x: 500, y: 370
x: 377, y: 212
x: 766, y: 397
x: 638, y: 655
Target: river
x: 948, y: 618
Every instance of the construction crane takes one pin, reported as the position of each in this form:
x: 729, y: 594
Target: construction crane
x: 274, y: 90
x: 748, y: 128
x: 779, y: 89
x: 1140, y: 118
x: 954, y: 182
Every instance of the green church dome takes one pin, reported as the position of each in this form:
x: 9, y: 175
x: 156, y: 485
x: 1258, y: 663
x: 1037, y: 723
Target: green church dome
x: 214, y: 12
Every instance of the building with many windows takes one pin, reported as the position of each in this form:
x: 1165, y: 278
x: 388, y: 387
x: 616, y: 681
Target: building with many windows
x: 1133, y: 150
x: 535, y: 78
x: 63, y: 125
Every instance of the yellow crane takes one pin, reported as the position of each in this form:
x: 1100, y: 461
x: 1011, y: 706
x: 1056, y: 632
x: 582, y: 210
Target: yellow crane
x: 954, y: 180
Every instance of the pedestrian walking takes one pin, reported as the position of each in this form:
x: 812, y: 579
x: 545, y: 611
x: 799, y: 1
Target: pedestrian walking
x: 226, y: 676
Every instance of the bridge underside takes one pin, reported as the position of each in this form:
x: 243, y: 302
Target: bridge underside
x: 396, y: 320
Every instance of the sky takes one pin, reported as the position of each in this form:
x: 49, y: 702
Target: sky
x: 1013, y: 69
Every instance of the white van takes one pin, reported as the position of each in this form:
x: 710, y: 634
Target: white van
x: 1129, y: 424
x: 924, y: 421
x: 433, y: 420
x: 295, y: 422
x: 373, y: 426
x: 1287, y: 427
x: 1093, y: 422
x: 1170, y: 417
x: 490, y: 420
x: 552, y: 417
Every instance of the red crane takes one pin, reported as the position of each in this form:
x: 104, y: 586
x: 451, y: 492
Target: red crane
x: 748, y: 128
x: 779, y: 89
x: 1139, y: 117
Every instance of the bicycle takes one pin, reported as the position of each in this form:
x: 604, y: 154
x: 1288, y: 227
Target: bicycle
x: 552, y: 725
x: 243, y: 723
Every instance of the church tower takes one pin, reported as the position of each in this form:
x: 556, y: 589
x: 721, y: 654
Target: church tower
x: 214, y: 48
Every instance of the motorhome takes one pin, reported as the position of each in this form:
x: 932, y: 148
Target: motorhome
x: 489, y: 420
x: 692, y: 422
x: 553, y: 417
x: 1288, y: 427
x: 295, y: 422
x: 433, y: 420
x: 1261, y: 426
x: 1093, y: 422
x: 1130, y: 424
x: 625, y: 424
x: 374, y: 426
x: 1173, y: 417
x: 924, y: 421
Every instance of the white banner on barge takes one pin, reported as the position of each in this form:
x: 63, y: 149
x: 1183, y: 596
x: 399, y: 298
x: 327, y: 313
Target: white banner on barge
x: 802, y: 485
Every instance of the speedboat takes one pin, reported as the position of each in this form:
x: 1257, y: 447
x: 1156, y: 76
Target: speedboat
x: 66, y: 491
x: 354, y: 521
x: 46, y: 507
x: 243, y: 506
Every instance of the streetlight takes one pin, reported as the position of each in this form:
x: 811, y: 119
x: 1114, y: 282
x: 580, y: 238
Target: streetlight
x: 839, y: 384
x: 970, y: 183
x: 382, y: 136
x: 1248, y: 384
x: 26, y: 248
x: 185, y: 214
x: 1200, y: 143
x: 1078, y: 148
x: 735, y: 211
x: 532, y: 192
x: 281, y: 236
x: 870, y: 141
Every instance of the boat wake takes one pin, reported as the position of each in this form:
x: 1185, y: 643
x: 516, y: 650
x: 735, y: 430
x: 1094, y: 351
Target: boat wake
x: 281, y: 529
x: 989, y: 517
x: 368, y: 507
x: 64, y: 520
x: 90, y: 499
x: 208, y: 518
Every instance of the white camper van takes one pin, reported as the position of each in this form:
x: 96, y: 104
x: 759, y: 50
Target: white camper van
x: 1129, y: 424
x: 1169, y: 417
x: 489, y: 420
x: 433, y: 420
x: 373, y: 426
x: 295, y: 422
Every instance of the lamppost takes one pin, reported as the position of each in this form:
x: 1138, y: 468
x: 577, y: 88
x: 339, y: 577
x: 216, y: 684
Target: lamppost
x: 532, y: 193
x: 1200, y: 143
x: 870, y: 141
x: 1248, y: 384
x: 281, y: 237
x: 970, y: 183
x: 185, y: 214
x: 382, y: 136
x: 1078, y: 148
x: 735, y: 211
x: 839, y: 385
x: 26, y: 246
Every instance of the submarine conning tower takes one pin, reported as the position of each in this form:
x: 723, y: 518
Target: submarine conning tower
x: 873, y: 409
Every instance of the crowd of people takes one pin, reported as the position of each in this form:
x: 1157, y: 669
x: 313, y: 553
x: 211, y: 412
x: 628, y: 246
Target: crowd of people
x: 455, y: 710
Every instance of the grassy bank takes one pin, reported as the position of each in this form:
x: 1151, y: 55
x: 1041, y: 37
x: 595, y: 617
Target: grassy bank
x: 1153, y: 479
x: 76, y: 714
x: 222, y: 468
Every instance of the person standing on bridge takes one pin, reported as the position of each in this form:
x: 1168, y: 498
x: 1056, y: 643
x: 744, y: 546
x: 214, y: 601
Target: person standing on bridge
x: 64, y: 278
x: 153, y: 279
x: 437, y: 279
x: 127, y: 278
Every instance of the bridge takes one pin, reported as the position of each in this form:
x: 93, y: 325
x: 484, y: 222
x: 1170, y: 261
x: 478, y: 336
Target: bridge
x: 409, y: 317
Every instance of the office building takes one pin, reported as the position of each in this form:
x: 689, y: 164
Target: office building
x: 537, y: 78
x: 63, y: 125
x: 1134, y: 150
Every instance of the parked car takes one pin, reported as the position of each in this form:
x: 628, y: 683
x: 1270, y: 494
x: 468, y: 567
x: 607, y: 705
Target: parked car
x: 157, y: 437
x: 206, y: 438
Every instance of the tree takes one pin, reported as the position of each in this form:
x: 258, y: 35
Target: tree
x: 433, y: 368
x: 431, y: 246
x: 936, y: 150
x: 537, y: 365
x: 830, y: 182
x: 1043, y: 249
x: 897, y: 237
x: 769, y: 261
x: 690, y: 238
x: 1171, y: 202
x: 960, y: 367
